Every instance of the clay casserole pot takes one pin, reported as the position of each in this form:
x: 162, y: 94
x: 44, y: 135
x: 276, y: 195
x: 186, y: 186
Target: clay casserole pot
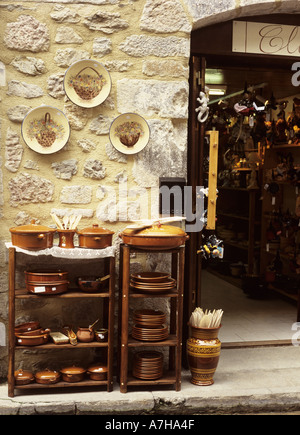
x: 32, y: 237
x: 47, y: 377
x: 23, y: 377
x: 95, y: 237
x: 97, y: 372
x: 155, y: 237
x: 72, y: 374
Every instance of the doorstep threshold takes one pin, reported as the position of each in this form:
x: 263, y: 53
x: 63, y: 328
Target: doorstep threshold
x: 260, y: 343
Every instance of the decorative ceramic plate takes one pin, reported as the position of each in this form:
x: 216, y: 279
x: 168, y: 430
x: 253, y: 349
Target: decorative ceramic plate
x: 45, y: 129
x: 87, y: 83
x: 129, y: 133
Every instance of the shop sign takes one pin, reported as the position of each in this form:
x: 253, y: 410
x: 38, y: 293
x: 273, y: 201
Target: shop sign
x: 266, y: 38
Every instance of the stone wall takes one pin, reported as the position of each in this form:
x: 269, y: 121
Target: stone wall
x: 144, y: 44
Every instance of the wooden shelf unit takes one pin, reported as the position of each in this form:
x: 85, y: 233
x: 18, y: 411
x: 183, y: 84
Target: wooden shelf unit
x: 249, y: 220
x: 108, y: 314
x: 174, y: 340
x: 270, y: 204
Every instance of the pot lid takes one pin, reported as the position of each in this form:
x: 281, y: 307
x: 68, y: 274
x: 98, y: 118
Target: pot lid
x: 97, y: 368
x: 31, y: 228
x: 47, y: 374
x: 73, y: 370
x: 23, y: 375
x: 157, y: 231
x: 94, y: 230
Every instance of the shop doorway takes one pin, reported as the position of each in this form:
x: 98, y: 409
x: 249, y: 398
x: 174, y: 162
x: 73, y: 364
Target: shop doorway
x: 243, y: 217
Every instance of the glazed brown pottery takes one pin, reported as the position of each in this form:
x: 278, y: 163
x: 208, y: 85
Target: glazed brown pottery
x: 97, y: 372
x: 101, y: 335
x: 72, y: 374
x: 47, y: 377
x: 66, y: 238
x: 203, y: 352
x: 32, y: 340
x: 46, y: 281
x: 155, y: 237
x: 95, y: 237
x: 32, y: 237
x: 92, y: 284
x: 46, y: 276
x: 26, y: 327
x: 23, y: 377
x: 48, y: 288
x: 85, y: 335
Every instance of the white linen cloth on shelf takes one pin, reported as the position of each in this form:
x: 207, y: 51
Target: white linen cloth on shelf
x: 74, y: 253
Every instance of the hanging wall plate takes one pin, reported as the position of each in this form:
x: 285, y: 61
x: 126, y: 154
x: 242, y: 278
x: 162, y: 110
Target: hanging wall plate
x: 87, y: 83
x: 129, y: 133
x: 45, y: 129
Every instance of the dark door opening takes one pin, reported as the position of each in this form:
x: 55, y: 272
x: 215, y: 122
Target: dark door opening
x: 214, y: 63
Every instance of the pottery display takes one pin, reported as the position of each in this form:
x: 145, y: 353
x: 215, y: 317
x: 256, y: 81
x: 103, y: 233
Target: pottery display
x: 101, y: 335
x: 148, y: 365
x: 47, y: 377
x: 45, y: 129
x: 45, y: 282
x: 203, y: 352
x: 72, y: 374
x: 66, y: 238
x: 87, y: 83
x: 23, y: 377
x: 129, y: 133
x: 33, y: 340
x: 155, y: 237
x: 32, y: 237
x: 92, y: 284
x: 95, y: 237
x: 97, y: 372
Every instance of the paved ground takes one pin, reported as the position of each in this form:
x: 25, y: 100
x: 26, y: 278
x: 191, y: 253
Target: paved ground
x: 261, y: 380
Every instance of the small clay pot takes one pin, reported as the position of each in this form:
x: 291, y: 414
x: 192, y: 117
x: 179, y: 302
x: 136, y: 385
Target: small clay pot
x: 85, y: 335
x: 101, y: 335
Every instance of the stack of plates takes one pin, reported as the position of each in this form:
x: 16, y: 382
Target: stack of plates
x: 158, y: 333
x: 149, y: 318
x: 152, y: 282
x: 148, y: 365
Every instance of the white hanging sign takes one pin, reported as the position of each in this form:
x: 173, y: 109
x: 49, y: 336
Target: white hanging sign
x: 265, y: 38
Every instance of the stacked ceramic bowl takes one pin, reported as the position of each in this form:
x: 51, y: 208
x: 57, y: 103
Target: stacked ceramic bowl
x: 148, y: 365
x: 152, y: 282
x: 149, y: 325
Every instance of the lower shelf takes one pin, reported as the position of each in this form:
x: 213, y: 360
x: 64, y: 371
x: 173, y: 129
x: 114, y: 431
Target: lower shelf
x: 167, y: 379
x: 60, y: 384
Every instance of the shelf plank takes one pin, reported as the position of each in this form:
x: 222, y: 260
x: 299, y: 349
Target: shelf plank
x: 153, y: 295
x: 167, y: 379
x: 65, y: 346
x: 24, y: 294
x: 170, y: 341
x: 84, y: 383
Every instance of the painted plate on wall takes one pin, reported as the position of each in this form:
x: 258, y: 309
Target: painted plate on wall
x: 45, y: 129
x: 129, y: 133
x: 87, y: 83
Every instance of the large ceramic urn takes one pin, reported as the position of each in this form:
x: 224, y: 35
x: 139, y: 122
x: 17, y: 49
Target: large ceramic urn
x: 203, y: 352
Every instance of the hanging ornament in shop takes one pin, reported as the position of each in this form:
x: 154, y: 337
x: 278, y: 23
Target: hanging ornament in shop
x: 203, y: 109
x: 212, y: 247
x: 245, y: 106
